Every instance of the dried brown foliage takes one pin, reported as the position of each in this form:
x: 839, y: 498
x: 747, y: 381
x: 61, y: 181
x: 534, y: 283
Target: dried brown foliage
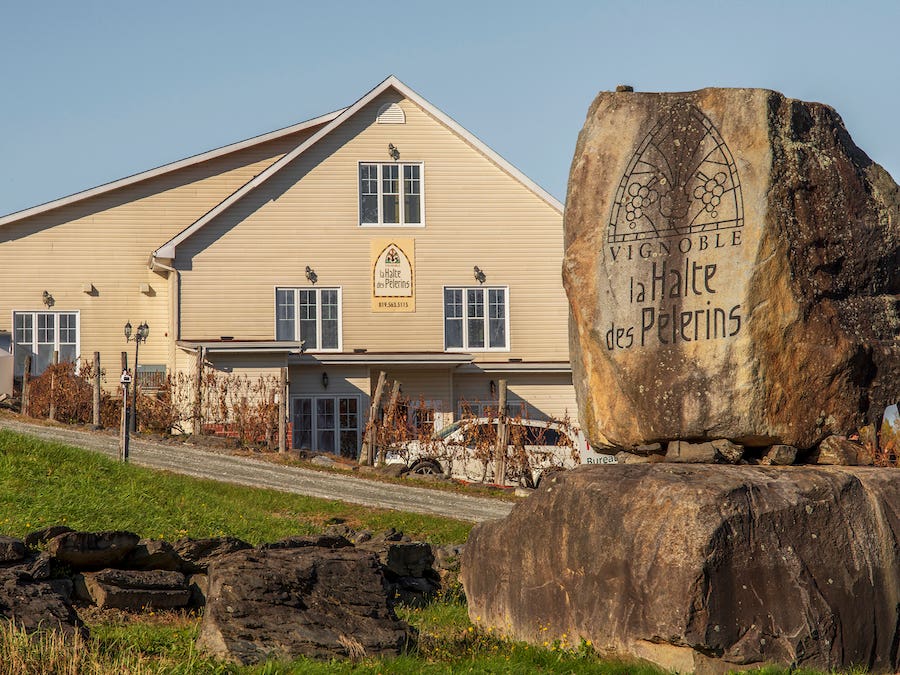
x: 397, y: 429
x: 244, y: 407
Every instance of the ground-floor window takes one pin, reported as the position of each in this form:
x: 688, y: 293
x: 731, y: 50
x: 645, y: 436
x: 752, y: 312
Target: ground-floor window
x: 489, y: 409
x: 327, y: 424
x: 39, y: 334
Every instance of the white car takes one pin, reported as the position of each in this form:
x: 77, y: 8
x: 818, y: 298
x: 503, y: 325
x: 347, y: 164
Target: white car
x: 466, y: 450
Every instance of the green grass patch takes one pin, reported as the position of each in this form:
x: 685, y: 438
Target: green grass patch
x: 44, y: 483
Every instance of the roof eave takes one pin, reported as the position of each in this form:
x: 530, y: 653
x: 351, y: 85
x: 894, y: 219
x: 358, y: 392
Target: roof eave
x: 167, y: 168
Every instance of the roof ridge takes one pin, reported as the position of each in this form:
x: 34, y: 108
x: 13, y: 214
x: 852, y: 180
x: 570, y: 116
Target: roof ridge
x: 167, y: 250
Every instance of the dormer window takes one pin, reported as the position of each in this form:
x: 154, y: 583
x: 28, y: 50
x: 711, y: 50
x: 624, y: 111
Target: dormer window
x: 390, y: 194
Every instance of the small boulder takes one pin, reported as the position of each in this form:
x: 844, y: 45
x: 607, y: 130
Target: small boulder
x: 196, y: 554
x: 682, y: 452
x: 837, y: 450
x: 38, y: 538
x: 626, y: 457
x: 36, y: 605
x: 728, y: 452
x: 309, y: 601
x: 779, y: 455
x: 12, y: 550
x: 92, y: 550
x: 153, y: 554
x: 137, y: 589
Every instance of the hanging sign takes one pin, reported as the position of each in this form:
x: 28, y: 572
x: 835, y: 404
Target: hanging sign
x: 393, y: 275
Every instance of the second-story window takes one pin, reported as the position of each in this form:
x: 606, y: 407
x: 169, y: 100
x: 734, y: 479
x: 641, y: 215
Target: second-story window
x: 476, y: 318
x: 390, y: 194
x: 309, y: 314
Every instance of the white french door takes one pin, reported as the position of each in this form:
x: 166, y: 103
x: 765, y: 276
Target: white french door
x: 327, y: 424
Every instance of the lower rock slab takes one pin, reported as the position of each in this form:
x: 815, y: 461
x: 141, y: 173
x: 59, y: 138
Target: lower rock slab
x: 700, y: 568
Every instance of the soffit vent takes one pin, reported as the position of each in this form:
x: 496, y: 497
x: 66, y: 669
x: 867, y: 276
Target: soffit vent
x: 391, y: 113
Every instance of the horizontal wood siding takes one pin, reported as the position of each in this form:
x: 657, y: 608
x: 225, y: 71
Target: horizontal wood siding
x: 476, y: 214
x: 548, y: 395
x: 307, y: 380
x: 106, y: 241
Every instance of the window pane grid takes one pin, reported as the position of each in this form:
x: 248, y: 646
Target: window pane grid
x: 40, y: 334
x: 308, y: 314
x: 478, y: 323
x: 390, y: 193
x: 68, y: 334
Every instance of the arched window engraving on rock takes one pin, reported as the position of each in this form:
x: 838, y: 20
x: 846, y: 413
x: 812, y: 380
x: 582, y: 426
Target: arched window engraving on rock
x: 682, y: 179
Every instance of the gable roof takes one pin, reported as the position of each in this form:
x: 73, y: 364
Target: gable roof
x: 168, y: 249
x: 168, y: 168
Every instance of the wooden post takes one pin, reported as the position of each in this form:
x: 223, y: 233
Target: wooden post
x: 502, y: 436
x: 52, y: 415
x: 389, y: 417
x: 123, y: 426
x: 198, y: 393
x: 282, y: 411
x: 367, y: 455
x: 97, y: 424
x: 26, y: 386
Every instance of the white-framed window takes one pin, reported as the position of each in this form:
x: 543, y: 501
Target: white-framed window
x: 309, y: 314
x: 489, y: 409
x: 327, y: 424
x: 39, y: 334
x: 476, y: 318
x: 391, y: 194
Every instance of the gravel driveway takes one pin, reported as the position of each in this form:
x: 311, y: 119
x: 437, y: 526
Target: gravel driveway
x: 192, y: 461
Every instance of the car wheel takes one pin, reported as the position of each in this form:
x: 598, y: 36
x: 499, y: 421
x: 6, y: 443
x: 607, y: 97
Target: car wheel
x: 426, y: 467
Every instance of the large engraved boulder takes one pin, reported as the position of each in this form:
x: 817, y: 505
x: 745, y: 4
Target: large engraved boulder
x: 700, y: 567
x: 732, y: 265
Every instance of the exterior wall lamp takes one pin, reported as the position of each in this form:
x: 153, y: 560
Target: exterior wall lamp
x: 324, y: 380
x: 479, y: 275
x: 393, y: 151
x: 48, y: 299
x: 311, y: 275
x: 143, y: 330
x: 492, y: 386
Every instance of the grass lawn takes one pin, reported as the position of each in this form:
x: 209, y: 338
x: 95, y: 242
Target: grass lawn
x: 45, y: 483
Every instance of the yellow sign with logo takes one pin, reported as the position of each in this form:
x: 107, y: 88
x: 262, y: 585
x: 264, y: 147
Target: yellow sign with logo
x: 393, y: 275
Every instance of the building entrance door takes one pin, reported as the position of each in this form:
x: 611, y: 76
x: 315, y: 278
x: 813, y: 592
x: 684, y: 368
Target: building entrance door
x: 327, y: 424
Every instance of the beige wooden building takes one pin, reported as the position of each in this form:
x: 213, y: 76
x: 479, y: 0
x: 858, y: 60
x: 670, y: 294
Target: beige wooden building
x: 382, y: 236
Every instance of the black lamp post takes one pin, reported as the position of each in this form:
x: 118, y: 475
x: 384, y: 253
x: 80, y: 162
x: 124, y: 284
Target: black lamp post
x: 140, y: 336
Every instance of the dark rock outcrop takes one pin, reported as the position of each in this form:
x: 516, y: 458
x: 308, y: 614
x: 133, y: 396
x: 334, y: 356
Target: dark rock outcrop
x: 700, y: 567
x: 12, y: 550
x: 302, y: 601
x: 196, y: 554
x: 92, y: 550
x: 153, y: 554
x: 36, y: 605
x: 137, y: 589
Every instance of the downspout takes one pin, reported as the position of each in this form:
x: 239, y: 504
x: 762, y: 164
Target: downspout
x: 176, y: 291
x: 154, y: 264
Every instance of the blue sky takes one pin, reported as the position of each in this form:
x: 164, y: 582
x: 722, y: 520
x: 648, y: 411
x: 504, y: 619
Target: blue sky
x: 94, y: 91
